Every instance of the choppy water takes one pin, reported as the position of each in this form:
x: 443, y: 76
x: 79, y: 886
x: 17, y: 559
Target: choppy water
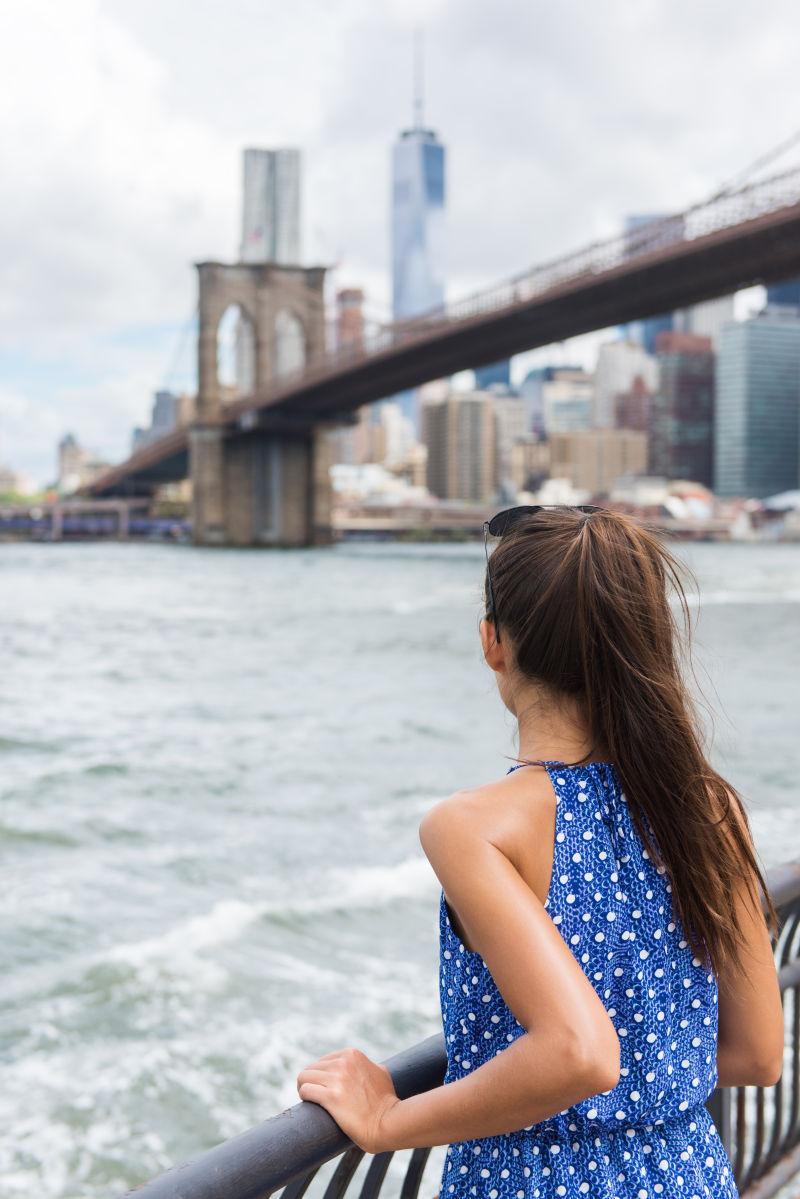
x: 212, y: 770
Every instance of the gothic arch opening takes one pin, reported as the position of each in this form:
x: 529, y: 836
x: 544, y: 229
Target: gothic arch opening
x: 236, y: 353
x: 290, y: 343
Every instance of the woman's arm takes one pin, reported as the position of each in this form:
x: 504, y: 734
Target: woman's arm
x: 570, y: 1048
x: 569, y: 1051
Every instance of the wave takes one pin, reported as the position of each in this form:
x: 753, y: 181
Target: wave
x: 228, y: 919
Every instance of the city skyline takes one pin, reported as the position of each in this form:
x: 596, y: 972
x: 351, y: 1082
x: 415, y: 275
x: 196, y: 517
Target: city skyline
x: 99, y: 240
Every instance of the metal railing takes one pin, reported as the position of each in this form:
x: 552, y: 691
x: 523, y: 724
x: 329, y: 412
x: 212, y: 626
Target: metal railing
x: 759, y: 1126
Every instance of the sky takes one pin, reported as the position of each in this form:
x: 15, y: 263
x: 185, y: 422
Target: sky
x: 122, y: 127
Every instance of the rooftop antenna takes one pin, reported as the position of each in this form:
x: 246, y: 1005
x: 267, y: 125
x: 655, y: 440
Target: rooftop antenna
x: 419, y: 78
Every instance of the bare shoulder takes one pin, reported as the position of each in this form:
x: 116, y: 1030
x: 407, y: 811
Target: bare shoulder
x: 514, y: 813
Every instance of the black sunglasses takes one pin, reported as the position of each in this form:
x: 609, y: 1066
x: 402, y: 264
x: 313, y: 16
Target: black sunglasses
x: 501, y: 523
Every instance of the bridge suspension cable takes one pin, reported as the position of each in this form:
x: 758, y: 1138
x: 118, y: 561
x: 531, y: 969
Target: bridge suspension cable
x: 188, y: 327
x: 764, y: 160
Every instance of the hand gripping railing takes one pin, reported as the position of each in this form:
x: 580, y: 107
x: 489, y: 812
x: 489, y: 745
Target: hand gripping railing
x: 759, y: 1126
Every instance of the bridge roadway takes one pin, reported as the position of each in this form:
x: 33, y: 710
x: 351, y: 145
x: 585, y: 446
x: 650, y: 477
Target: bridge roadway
x: 734, y: 241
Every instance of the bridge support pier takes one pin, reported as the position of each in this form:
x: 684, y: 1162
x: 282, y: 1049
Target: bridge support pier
x: 260, y: 488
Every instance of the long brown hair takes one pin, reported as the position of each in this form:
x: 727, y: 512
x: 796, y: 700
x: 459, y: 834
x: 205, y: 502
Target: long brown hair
x: 584, y: 601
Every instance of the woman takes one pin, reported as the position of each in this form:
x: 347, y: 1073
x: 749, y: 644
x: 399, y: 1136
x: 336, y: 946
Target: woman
x: 604, y: 958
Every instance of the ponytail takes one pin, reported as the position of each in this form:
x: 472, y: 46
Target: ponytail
x: 584, y: 599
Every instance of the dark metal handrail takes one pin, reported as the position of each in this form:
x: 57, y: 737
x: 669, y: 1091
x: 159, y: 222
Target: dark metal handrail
x: 759, y: 1126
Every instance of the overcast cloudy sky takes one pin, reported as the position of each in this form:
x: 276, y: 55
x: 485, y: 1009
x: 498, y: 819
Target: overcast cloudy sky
x: 122, y: 126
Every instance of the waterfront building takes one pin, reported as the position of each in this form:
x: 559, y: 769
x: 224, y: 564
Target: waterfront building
x: 76, y: 466
x: 530, y: 464
x: 619, y: 364
x: 12, y: 483
x: 593, y: 459
x: 532, y: 392
x: 509, y: 428
x: 632, y: 407
x: 567, y: 401
x: 756, y: 411
x: 458, y: 430
x: 682, y: 409
x: 72, y: 458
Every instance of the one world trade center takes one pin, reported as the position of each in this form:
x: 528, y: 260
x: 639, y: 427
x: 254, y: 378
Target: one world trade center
x: 418, y: 198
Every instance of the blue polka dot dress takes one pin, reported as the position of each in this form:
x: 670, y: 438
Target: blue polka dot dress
x: 651, y: 1136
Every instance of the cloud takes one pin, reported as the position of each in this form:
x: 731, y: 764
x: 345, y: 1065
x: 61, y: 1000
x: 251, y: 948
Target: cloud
x: 122, y: 128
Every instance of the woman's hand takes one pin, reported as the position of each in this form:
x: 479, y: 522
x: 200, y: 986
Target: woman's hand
x: 355, y: 1091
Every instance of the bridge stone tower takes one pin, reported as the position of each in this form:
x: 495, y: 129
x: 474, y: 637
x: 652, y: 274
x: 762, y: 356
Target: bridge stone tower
x: 257, y: 481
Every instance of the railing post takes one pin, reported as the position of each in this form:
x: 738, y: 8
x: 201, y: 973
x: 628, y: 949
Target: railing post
x: 720, y: 1108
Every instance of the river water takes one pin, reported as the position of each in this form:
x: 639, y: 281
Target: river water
x: 213, y: 767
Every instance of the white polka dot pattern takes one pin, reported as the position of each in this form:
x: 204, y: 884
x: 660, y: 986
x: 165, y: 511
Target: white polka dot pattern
x: 651, y: 1136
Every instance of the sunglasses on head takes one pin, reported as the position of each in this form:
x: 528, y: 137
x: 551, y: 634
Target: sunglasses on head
x: 501, y: 523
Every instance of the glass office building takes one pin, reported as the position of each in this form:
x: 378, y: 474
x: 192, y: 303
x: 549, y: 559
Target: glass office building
x: 682, y: 409
x: 758, y: 396
x: 418, y: 201
x: 417, y: 223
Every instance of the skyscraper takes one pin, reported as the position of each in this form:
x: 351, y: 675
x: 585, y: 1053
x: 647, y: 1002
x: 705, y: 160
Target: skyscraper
x: 459, y: 432
x: 417, y: 223
x: 418, y: 205
x: 270, y: 233
x: 757, y: 400
x: 271, y: 206
x: 682, y: 409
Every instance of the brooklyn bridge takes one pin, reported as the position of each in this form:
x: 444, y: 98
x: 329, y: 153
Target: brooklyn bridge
x: 259, y: 464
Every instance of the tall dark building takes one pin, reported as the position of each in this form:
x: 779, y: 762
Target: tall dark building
x: 758, y: 397
x: 682, y: 410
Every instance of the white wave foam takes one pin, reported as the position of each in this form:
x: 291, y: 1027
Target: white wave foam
x: 183, y: 945
x: 224, y: 922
